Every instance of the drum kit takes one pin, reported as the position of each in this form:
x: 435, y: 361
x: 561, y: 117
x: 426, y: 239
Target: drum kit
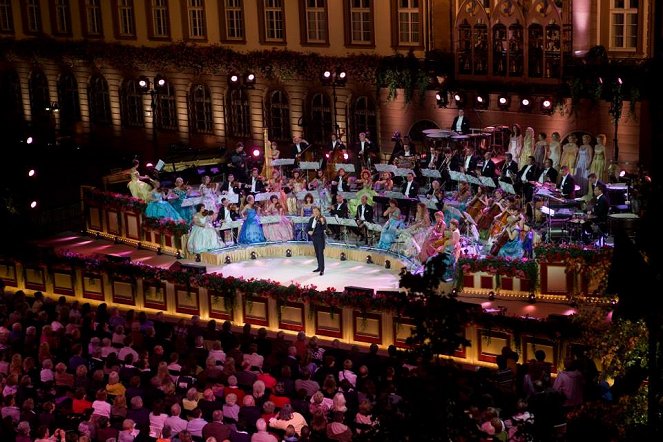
x: 493, y: 138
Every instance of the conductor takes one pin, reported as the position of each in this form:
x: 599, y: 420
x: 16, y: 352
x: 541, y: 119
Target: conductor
x: 316, y: 230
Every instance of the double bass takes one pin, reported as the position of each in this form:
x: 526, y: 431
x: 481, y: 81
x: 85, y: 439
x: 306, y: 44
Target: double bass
x: 499, y: 243
x: 476, y: 208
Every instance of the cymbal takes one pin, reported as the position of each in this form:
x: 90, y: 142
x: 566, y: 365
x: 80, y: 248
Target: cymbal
x: 433, y: 131
x: 439, y: 135
x: 489, y: 129
x: 460, y: 137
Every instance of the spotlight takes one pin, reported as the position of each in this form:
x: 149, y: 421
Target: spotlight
x: 116, y: 240
x: 179, y: 255
x: 161, y: 82
x: 33, y: 205
x: 369, y: 259
x: 619, y: 81
x: 56, y: 107
x: 454, y: 293
x: 387, y: 264
x: 613, y: 302
x: 531, y: 298
x: 459, y: 98
x: 503, y: 102
x: 149, y: 165
x: 197, y: 257
x: 346, y: 156
x: 491, y: 295
x: 256, y: 152
x: 342, y: 75
x: 253, y: 255
x: 622, y: 173
x: 482, y: 101
x: 327, y: 155
x: 442, y: 99
x: 159, y: 251
x: 546, y: 105
x: 525, y: 104
x: 227, y: 260
x: 29, y: 140
x: 288, y: 253
x: 402, y: 272
x: 250, y: 78
x: 326, y: 75
x: 234, y: 78
x: 31, y: 173
x: 343, y: 257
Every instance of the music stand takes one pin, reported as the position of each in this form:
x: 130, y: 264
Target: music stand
x: 308, y: 166
x: 192, y: 201
x: 283, y: 162
x: 348, y: 167
x: 430, y: 203
x: 348, y: 195
x: 265, y: 196
x: 431, y: 173
x: 472, y: 179
x: 395, y: 195
x: 403, y: 172
x: 386, y: 168
x: 508, y: 188
x: 159, y: 166
x: 372, y: 227
x: 231, y: 197
x: 345, y: 223
x: 270, y: 219
x: 550, y: 213
x: 487, y: 181
x: 232, y: 225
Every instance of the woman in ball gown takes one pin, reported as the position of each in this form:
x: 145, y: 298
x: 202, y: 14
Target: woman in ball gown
x: 385, y: 183
x: 251, y: 231
x: 598, y: 162
x: 541, y: 150
x: 516, y: 142
x: 157, y: 207
x: 307, y: 211
x: 320, y: 184
x: 435, y: 239
x: 203, y: 236
x: 176, y: 197
x: 528, y: 148
x: 208, y: 191
x: 570, y: 153
x: 584, y: 161
x: 366, y: 181
x: 451, y: 248
x: 555, y: 150
x: 297, y: 182
x: 513, y: 247
x: 272, y: 153
x: 390, y: 228
x: 411, y: 239
x: 280, y: 231
x: 138, y: 188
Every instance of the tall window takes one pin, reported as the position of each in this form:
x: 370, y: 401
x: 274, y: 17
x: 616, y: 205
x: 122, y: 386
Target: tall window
x: 624, y: 24
x: 320, y: 118
x: 11, y: 112
x: 200, y: 110
x: 92, y: 18
x: 40, y: 98
x: 32, y: 16
x: 131, y: 104
x: 364, y: 117
x: 61, y: 17
x: 361, y: 22
x: 232, y: 19
x: 6, y: 17
x: 409, y: 22
x: 99, y: 101
x: 315, y: 21
x: 239, y: 117
x: 166, y: 111
x: 126, y: 21
x: 196, y: 19
x: 273, y: 21
x: 160, y: 19
x: 68, y: 99
x: 279, y: 116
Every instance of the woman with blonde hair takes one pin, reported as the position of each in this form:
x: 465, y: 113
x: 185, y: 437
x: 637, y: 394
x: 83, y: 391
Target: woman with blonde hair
x: 528, y: 148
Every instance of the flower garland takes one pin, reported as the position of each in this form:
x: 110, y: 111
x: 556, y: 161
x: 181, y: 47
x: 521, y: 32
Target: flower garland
x: 166, y: 226
x: 114, y: 200
x: 500, y: 266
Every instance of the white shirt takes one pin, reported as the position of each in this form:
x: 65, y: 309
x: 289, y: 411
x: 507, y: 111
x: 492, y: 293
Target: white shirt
x: 433, y: 159
x: 522, y: 177
x: 253, y: 184
x: 467, y: 162
x: 561, y: 185
x: 227, y: 218
x: 176, y: 424
x: 362, y: 146
x: 459, y: 124
x: 542, y: 177
x: 407, y: 188
x: 315, y: 222
x: 299, y: 149
x: 407, y: 153
x: 485, y: 164
x: 101, y: 408
x: 362, y: 212
x: 340, y: 183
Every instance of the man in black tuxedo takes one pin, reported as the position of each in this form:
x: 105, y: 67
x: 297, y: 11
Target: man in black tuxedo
x: 225, y: 216
x: 340, y: 183
x: 434, y: 159
x: 566, y: 183
x: 364, y: 215
x: 330, y: 150
x: 548, y: 174
x: 509, y: 170
x: 340, y: 210
x: 470, y: 161
x: 461, y: 124
x: 316, y: 231
x: 299, y: 146
x: 598, y: 223
x: 488, y: 167
x: 525, y: 175
x: 238, y: 162
x: 363, y: 151
x: 230, y: 186
x: 410, y: 188
x: 255, y: 183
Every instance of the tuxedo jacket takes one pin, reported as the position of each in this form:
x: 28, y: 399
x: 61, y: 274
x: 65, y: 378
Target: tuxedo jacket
x: 293, y: 149
x: 473, y: 163
x: 532, y: 174
x: 601, y: 208
x: 260, y: 186
x: 331, y: 147
x: 346, y: 184
x: 511, y: 167
x: 318, y: 236
x: 226, y: 186
x: 465, y: 125
x: 368, y: 213
x: 368, y: 147
x: 436, y: 163
x: 222, y: 214
x: 488, y: 168
x: 342, y: 211
x: 551, y: 174
x: 568, y: 189
x: 414, y: 189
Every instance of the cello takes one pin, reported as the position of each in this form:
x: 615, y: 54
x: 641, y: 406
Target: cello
x: 499, y: 243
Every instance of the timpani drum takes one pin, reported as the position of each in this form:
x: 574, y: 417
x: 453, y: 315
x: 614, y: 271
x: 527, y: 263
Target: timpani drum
x: 628, y: 222
x: 405, y: 162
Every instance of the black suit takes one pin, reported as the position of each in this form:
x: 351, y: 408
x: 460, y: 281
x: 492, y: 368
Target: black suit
x: 471, y: 165
x: 524, y: 178
x: 226, y: 186
x: 464, y: 125
x: 363, y: 156
x: 414, y: 189
x: 567, y: 187
x: 340, y: 211
x: 318, y: 238
x: 260, y: 186
x: 512, y: 168
x: 297, y: 149
x: 335, y: 189
x: 488, y: 168
x: 550, y: 174
x: 437, y: 161
x: 368, y: 213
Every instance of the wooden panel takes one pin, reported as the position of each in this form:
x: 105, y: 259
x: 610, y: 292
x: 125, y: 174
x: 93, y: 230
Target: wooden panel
x: 112, y: 222
x: 507, y: 283
x: 554, y: 279
x: 8, y: 273
x: 217, y: 307
x: 329, y: 323
x: 490, y: 344
x: 93, y: 286
x: 532, y: 344
x: 63, y: 282
x: 367, y: 327
x: 402, y: 330
x: 468, y: 281
x: 292, y: 316
x: 154, y: 295
x: 35, y: 278
x: 487, y: 282
x: 94, y: 218
x: 132, y: 225
x: 124, y: 292
x: 256, y: 311
x: 186, y: 300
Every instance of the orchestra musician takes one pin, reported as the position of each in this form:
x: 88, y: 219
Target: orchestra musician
x: 513, y: 247
x: 299, y: 146
x: 363, y: 152
x: 364, y: 215
x: 461, y: 124
x: 333, y: 154
x: 548, y: 174
x: 526, y: 175
x: 340, y: 183
x: 385, y: 182
x: 435, y: 192
x: 255, y: 183
x: 566, y: 183
x: 592, y: 183
x: 410, y: 188
x: 316, y: 231
x: 509, y: 169
x: 227, y: 215
x: 238, y: 163
x: 435, y: 160
x: 488, y: 167
x: 230, y: 185
x: 598, y: 215
x: 469, y: 161
x: 339, y: 210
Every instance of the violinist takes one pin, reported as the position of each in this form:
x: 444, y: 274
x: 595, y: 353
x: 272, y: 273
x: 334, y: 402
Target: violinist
x: 255, y: 184
x: 316, y: 231
x: 513, y: 247
x: 230, y: 186
x: 435, y: 192
x: 364, y: 215
x: 488, y: 167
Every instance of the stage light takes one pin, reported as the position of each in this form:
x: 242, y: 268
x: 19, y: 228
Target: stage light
x: 250, y: 78
x: 31, y: 173
x: 256, y: 152
x: 56, y: 107
x: 503, y: 102
x: 369, y: 259
x: 442, y: 98
x: 29, y: 140
x: 234, y: 78
x: 288, y: 253
x: 402, y: 272
x: 179, y: 255
x: 387, y: 264
x: 491, y: 295
x: 198, y: 257
x: 326, y: 75
x: 525, y: 104
x: 459, y: 98
x: 343, y: 257
x: 482, y: 101
x: 454, y: 293
x: 33, y: 205
x: 622, y: 173
x: 159, y: 251
x: 531, y: 298
x: 161, y: 82
x: 227, y: 260
x: 149, y: 165
x: 619, y: 81
x: 327, y: 155
x: 254, y: 255
x: 546, y: 105
x: 346, y: 156
x: 613, y: 303
x: 342, y: 75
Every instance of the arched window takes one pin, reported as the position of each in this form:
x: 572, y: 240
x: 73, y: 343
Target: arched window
x: 10, y: 96
x: 131, y: 104
x: 166, y: 111
x: 320, y: 119
x: 68, y: 99
x: 40, y: 98
x: 99, y: 100
x: 279, y: 116
x: 364, y: 118
x: 200, y: 110
x: 239, y: 118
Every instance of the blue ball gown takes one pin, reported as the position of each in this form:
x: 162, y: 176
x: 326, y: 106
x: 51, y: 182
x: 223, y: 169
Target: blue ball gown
x: 203, y: 237
x: 251, y: 231
x: 390, y: 231
x: 158, y: 208
x: 513, y: 248
x: 185, y: 212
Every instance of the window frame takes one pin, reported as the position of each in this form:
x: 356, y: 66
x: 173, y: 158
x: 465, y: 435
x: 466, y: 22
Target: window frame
x: 369, y: 112
x: 282, y: 107
x: 69, y: 101
x: 187, y: 9
x: 60, y: 12
x: 166, y: 106
x: 10, y: 29
x: 117, y: 19
x: 38, y: 112
x: 239, y: 113
x: 11, y: 92
x: 262, y: 23
x: 129, y: 97
x: 206, y: 109
x: 151, y: 21
x: 84, y: 9
x: 223, y: 16
x: 625, y: 12
x: 304, y: 24
x: 396, y: 26
x: 99, y: 99
x: 35, y: 6
x: 348, y: 10
x: 324, y: 132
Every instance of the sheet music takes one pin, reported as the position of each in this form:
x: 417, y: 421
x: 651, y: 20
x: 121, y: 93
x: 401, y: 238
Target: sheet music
x: 348, y: 167
x: 403, y: 172
x: 283, y: 162
x: 231, y: 197
x: 430, y: 173
x: 309, y: 165
x: 457, y: 176
x: 348, y: 195
x: 385, y: 168
x: 231, y: 225
x: 508, y: 188
x: 472, y: 179
x: 301, y: 195
x: 373, y: 227
x: 299, y: 219
x: 270, y: 219
x: 395, y: 195
x: 190, y: 202
x: 266, y: 196
x: 487, y: 181
x: 159, y: 165
x: 430, y: 203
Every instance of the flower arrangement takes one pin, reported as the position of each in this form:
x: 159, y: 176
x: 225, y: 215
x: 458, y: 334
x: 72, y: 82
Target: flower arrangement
x: 511, y: 268
x: 166, y: 226
x: 114, y: 200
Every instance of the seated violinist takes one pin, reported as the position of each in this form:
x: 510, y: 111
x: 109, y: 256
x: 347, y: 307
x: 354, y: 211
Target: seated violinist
x: 385, y: 183
x: 435, y: 192
x: 255, y: 184
x: 364, y: 215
